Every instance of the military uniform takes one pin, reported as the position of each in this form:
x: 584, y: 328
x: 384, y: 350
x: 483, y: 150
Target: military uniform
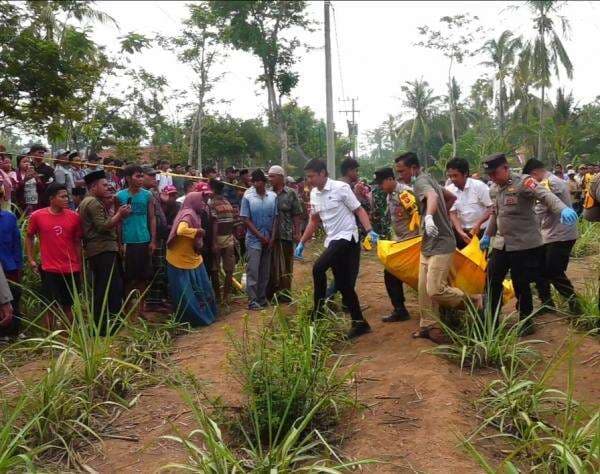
x: 558, y: 241
x: 517, y: 242
x: 591, y: 207
x: 401, y: 211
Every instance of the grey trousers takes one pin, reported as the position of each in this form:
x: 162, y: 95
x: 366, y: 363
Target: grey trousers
x: 257, y: 274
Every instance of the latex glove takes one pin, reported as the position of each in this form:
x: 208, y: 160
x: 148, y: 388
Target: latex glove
x: 484, y: 243
x: 430, y: 228
x: 298, y: 251
x: 374, y: 237
x: 568, y: 216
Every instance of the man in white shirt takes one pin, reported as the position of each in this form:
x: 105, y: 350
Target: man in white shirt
x: 163, y: 178
x: 473, y: 206
x: 335, y: 206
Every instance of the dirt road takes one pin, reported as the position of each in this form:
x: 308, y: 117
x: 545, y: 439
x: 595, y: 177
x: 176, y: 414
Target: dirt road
x: 417, y: 402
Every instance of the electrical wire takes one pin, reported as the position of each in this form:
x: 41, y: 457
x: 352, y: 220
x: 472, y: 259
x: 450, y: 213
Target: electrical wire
x: 337, y: 47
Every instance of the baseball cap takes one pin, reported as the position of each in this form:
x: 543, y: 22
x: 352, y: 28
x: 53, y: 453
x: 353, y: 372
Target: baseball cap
x: 494, y: 161
x: 170, y: 189
x: 61, y: 152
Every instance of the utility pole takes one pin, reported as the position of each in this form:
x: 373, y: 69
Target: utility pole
x: 329, y: 97
x: 352, y: 126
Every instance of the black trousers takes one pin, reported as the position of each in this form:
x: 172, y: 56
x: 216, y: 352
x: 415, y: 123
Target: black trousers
x: 554, y: 260
x: 394, y: 290
x: 343, y: 257
x: 107, y: 282
x: 523, y: 265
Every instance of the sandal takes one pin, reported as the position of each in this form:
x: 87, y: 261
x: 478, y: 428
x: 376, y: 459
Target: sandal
x: 434, y: 334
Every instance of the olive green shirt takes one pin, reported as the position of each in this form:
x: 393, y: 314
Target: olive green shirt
x: 97, y: 236
x: 288, y: 207
x: 445, y: 242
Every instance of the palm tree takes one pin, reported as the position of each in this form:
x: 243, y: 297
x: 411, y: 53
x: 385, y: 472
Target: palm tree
x: 547, y: 51
x: 501, y: 57
x: 419, y: 99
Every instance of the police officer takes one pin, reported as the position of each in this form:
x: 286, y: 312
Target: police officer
x: 558, y: 239
x: 404, y: 216
x: 517, y: 236
x: 591, y: 207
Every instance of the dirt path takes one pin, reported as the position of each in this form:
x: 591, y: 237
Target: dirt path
x: 417, y: 402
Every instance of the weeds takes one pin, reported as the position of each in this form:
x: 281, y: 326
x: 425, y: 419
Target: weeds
x: 548, y: 427
x: 485, y: 340
x: 286, y: 368
x: 589, y: 320
x: 588, y: 242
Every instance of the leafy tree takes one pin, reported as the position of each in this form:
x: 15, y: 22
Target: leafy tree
x: 266, y: 29
x: 502, y: 53
x: 454, y: 40
x: 419, y: 99
x: 48, y: 67
x: 546, y: 52
x: 196, y: 46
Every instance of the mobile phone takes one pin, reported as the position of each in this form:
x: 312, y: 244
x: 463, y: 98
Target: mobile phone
x: 129, y: 200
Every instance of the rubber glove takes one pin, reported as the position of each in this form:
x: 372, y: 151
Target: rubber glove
x: 568, y: 216
x: 484, y: 243
x: 298, y: 251
x: 430, y: 228
x: 374, y: 237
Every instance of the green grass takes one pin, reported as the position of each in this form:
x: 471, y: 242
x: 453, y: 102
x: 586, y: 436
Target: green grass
x: 485, y: 340
x: 588, y: 242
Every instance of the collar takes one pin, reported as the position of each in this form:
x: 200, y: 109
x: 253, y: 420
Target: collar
x: 328, y: 185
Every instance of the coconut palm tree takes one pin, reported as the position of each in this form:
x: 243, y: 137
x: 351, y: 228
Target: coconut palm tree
x: 502, y: 54
x: 419, y: 98
x: 546, y: 50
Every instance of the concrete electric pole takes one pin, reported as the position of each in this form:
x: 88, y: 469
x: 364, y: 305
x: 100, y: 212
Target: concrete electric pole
x: 352, y: 126
x: 329, y: 97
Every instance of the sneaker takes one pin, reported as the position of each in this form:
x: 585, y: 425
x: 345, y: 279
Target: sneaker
x: 397, y: 315
x: 358, y: 329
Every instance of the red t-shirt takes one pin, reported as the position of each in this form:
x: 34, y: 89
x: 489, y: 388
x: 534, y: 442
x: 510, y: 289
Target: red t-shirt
x: 59, y: 235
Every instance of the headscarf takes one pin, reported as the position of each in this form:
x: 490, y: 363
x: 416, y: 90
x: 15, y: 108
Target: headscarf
x: 191, y: 207
x: 203, y: 188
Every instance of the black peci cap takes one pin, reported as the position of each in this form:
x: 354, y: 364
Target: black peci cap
x: 382, y: 174
x: 94, y: 176
x: 494, y: 161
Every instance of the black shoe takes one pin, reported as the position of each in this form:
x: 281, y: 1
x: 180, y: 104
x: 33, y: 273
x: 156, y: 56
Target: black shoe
x: 358, y: 329
x: 398, y: 315
x: 527, y: 328
x: 575, y: 307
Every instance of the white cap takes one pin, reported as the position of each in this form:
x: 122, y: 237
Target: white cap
x: 276, y: 170
x: 60, y: 152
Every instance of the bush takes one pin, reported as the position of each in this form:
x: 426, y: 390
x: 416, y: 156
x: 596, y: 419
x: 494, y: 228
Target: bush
x: 588, y: 242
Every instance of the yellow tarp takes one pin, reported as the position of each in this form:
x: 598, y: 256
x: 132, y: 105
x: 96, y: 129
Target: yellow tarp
x: 401, y: 259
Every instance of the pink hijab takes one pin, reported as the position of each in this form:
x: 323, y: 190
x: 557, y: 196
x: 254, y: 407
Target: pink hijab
x: 192, y: 205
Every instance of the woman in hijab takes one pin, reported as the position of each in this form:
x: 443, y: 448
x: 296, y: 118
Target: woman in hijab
x: 190, y: 288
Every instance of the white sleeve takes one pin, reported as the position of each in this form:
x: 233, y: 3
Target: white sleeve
x: 348, y: 198
x: 484, y: 195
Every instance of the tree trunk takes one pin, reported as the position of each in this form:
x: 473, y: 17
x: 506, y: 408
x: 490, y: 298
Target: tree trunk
x: 277, y: 117
x: 199, y: 150
x: 192, y: 140
x: 452, y: 118
x: 540, y: 136
x: 501, y: 108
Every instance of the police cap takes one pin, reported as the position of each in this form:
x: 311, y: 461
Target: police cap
x: 494, y: 161
x: 382, y: 174
x: 94, y: 176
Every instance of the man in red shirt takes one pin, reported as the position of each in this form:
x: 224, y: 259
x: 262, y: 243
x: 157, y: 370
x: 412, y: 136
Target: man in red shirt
x: 59, y: 231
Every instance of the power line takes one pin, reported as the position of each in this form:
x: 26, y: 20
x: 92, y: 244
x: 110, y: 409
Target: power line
x: 337, y: 47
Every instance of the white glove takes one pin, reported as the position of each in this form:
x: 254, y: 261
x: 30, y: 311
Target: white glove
x: 430, y: 228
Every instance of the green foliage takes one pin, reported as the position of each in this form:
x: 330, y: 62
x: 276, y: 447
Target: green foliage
x: 588, y: 242
x: 286, y: 368
x: 486, y: 340
x: 49, y: 67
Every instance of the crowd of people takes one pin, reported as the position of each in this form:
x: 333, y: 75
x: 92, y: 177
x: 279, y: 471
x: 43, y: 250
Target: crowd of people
x: 173, y: 237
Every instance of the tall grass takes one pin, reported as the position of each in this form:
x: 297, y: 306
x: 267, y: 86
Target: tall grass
x: 588, y: 242
x: 550, y: 430
x: 485, y: 340
x: 92, y: 374
x: 589, y: 320
x: 296, y: 390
